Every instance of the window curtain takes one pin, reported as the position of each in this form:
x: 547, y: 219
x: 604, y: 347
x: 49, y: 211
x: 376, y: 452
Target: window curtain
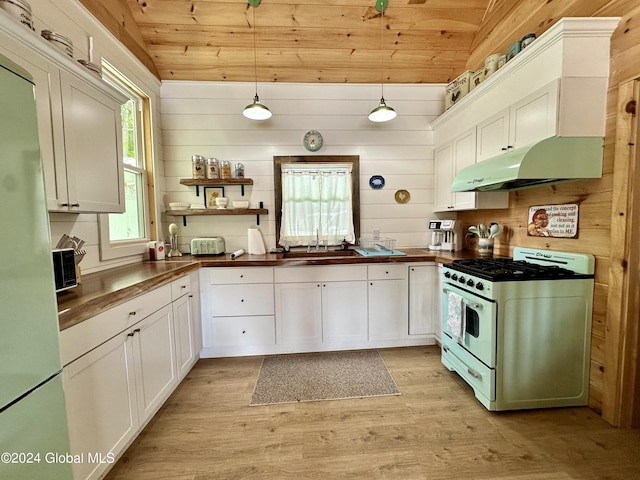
x: 316, y: 204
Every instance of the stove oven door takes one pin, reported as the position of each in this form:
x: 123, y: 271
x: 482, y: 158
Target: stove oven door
x: 479, y: 323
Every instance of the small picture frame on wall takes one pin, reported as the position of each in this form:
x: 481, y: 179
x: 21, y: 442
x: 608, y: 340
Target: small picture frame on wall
x: 211, y: 194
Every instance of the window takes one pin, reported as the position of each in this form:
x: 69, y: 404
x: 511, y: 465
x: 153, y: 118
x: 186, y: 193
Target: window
x: 123, y: 234
x: 316, y: 200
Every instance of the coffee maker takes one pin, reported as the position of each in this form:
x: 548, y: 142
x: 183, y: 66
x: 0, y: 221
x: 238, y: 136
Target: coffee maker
x: 446, y: 235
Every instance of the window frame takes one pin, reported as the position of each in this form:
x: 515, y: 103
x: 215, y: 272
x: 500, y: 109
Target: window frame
x: 353, y: 160
x: 124, y: 248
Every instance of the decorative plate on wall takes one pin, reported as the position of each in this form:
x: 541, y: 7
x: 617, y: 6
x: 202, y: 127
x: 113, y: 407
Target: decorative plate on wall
x: 376, y: 182
x: 402, y: 196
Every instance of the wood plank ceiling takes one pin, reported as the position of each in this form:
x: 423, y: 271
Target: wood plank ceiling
x: 308, y: 41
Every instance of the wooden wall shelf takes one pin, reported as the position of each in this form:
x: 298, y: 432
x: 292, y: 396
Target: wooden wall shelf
x: 215, y: 182
x: 218, y: 211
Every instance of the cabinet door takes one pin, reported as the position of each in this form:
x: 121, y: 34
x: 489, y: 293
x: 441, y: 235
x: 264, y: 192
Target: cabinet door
x: 493, y: 136
x: 155, y: 361
x: 184, y: 335
x: 196, y: 312
x: 534, y: 117
x: 298, y: 313
x: 443, y: 158
x: 101, y: 409
x: 388, y: 309
x: 344, y: 312
x: 423, y: 296
x: 464, y: 155
x: 47, y: 90
x: 93, y: 147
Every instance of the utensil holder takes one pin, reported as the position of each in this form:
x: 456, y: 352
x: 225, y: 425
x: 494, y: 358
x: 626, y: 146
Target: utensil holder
x: 485, y: 247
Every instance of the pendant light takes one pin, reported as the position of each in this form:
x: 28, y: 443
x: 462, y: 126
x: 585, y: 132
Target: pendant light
x: 256, y: 110
x: 383, y: 112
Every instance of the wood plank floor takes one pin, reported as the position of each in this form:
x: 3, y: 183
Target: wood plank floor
x: 434, y: 430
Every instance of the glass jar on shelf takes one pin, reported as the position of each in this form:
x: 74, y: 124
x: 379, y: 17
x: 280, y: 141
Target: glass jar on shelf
x: 212, y: 168
x: 197, y: 167
x: 225, y: 169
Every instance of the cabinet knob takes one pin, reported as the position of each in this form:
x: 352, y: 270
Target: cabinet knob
x: 183, y: 286
x: 242, y: 300
x: 75, y: 204
x: 132, y: 313
x: 386, y: 273
x: 244, y: 331
x: 190, y: 296
x: 241, y: 276
x: 64, y: 204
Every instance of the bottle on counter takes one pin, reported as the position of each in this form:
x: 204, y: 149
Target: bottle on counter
x: 197, y: 167
x: 212, y: 168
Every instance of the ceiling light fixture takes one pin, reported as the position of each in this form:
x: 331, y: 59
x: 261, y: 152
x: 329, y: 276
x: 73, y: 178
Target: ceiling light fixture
x: 256, y: 110
x: 382, y: 113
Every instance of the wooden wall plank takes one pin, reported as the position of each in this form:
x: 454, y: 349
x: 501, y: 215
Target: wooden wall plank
x: 603, y: 227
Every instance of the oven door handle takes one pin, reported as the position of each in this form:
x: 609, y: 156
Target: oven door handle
x: 475, y: 305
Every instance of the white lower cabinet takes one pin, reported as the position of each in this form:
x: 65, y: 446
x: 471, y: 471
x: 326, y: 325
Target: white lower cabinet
x: 154, y: 361
x: 299, y: 313
x: 388, y: 297
x: 344, y: 313
x: 120, y: 367
x: 424, y: 309
x: 237, y: 311
x: 186, y: 322
x: 101, y: 403
x: 112, y: 391
x: 321, y: 307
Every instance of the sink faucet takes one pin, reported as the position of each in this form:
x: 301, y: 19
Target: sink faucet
x: 317, y: 239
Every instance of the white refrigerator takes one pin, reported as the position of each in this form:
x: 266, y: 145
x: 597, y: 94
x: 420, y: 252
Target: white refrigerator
x: 34, y: 441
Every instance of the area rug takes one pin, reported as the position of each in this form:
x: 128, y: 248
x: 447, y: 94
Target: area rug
x: 322, y: 376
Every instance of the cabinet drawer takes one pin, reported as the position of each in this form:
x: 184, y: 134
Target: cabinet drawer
x: 243, y: 331
x: 180, y: 287
x: 386, y: 271
x: 480, y: 377
x: 236, y: 275
x: 231, y: 300
x: 79, y: 339
x: 328, y: 273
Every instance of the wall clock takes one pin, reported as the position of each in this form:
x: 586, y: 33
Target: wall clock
x: 312, y: 141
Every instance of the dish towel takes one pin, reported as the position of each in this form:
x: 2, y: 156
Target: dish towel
x: 455, y: 317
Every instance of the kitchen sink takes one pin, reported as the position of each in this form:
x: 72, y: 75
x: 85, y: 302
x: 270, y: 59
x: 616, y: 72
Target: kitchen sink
x: 319, y: 253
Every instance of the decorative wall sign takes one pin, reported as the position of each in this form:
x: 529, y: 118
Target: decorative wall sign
x: 376, y: 182
x: 553, y: 221
x: 402, y: 196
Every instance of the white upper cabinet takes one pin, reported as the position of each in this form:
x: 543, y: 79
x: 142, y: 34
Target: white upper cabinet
x: 79, y: 124
x: 557, y: 86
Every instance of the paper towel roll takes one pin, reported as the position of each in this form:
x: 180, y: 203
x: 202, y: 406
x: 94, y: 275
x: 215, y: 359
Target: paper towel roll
x: 256, y: 244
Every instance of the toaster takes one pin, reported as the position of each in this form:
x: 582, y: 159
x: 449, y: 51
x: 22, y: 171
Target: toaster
x: 207, y: 246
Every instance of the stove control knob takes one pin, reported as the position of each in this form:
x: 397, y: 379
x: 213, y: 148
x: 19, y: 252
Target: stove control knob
x: 470, y: 283
x: 447, y: 274
x: 454, y: 277
x: 479, y: 286
x: 462, y: 280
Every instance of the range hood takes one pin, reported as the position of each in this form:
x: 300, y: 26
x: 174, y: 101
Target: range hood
x: 549, y: 161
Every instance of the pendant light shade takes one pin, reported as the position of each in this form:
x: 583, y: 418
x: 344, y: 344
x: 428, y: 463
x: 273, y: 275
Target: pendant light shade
x: 383, y: 112
x: 256, y: 110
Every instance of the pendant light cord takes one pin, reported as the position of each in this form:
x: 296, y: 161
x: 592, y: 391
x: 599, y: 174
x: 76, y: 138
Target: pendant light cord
x: 382, y: 51
x: 255, y: 58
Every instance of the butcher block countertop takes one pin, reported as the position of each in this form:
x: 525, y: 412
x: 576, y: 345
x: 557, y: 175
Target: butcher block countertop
x: 108, y: 288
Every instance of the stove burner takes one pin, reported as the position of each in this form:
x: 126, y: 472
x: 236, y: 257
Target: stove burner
x: 502, y: 269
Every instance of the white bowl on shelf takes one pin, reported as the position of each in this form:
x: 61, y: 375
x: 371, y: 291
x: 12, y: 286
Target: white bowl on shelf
x: 241, y: 204
x: 222, y: 202
x: 178, y: 206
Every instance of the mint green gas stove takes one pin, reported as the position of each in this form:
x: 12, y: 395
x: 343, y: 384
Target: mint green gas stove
x: 518, y: 330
